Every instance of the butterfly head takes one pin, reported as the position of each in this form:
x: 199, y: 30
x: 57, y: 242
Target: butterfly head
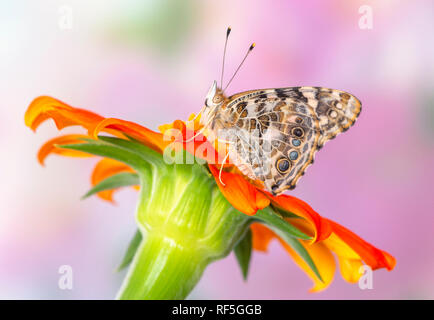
x: 213, y: 102
x: 214, y: 98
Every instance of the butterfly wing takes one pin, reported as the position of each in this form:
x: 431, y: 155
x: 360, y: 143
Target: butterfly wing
x: 278, y: 131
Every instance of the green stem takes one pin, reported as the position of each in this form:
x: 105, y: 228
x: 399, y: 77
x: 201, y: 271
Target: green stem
x: 186, y: 223
x: 163, y: 269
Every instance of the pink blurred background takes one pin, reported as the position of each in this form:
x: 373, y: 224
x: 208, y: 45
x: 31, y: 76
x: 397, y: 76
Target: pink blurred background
x: 152, y: 62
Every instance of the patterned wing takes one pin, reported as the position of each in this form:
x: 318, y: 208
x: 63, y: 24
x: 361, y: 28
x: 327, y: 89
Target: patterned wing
x: 278, y: 131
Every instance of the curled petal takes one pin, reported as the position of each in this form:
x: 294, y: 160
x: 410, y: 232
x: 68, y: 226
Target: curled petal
x: 300, y: 208
x: 350, y: 269
x: 239, y: 192
x: 106, y: 168
x: 262, y: 201
x: 323, y: 259
x: 349, y: 260
x: 372, y: 256
x: 193, y: 124
x: 43, y: 108
x: 152, y: 139
x: 351, y: 251
x: 320, y: 254
x: 261, y: 237
x: 50, y: 147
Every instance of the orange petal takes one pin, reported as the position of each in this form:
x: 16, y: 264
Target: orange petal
x: 193, y: 124
x: 323, y: 259
x: 350, y: 250
x: 372, y: 256
x: 239, y: 192
x: 152, y: 139
x: 350, y: 259
x: 300, y: 208
x: 43, y: 108
x: 106, y: 168
x: 320, y: 254
x: 50, y: 147
x: 261, y: 236
x: 262, y: 200
x: 350, y: 269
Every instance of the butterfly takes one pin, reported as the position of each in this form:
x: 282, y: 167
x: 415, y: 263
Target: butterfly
x: 274, y: 134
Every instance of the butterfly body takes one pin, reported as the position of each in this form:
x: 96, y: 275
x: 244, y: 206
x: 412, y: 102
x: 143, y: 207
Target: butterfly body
x: 273, y: 134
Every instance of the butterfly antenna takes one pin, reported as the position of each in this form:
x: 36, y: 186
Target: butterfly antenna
x: 236, y: 71
x: 228, y: 32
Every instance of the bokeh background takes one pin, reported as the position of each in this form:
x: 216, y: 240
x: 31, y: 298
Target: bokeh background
x: 152, y: 62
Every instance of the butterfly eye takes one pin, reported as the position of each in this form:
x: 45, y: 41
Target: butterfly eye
x: 217, y: 99
x: 298, y: 132
x: 283, y: 165
x: 206, y: 102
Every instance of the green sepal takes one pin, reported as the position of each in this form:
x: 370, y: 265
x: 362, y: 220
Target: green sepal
x: 103, y: 149
x: 243, y: 253
x: 299, y: 249
x: 123, y: 179
x: 132, y: 153
x: 273, y: 219
x: 137, y: 147
x: 285, y: 213
x: 131, y: 251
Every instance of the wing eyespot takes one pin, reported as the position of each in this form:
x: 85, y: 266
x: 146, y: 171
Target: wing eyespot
x: 296, y: 142
x: 297, y: 131
x: 283, y: 165
x: 293, y: 155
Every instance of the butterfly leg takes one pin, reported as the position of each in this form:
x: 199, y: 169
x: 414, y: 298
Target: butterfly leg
x: 204, y: 126
x: 199, y: 131
x: 221, y: 169
x: 225, y: 141
x: 224, y: 159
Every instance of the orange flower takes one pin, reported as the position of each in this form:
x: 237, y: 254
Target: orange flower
x: 327, y: 236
